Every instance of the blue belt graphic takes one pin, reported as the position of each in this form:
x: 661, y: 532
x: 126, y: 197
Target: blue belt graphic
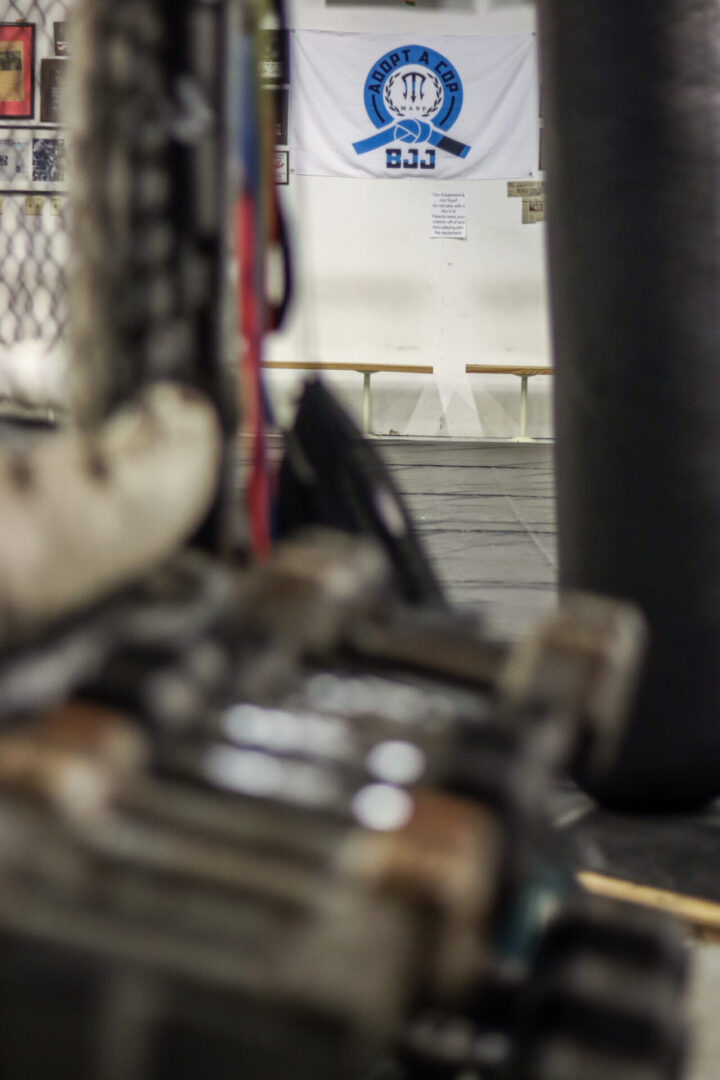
x: 412, y: 131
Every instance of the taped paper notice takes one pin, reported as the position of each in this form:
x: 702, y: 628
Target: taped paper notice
x: 49, y: 160
x: 449, y: 215
x: 14, y: 155
x: 34, y: 206
x: 281, y: 164
x: 525, y: 189
x: 533, y: 210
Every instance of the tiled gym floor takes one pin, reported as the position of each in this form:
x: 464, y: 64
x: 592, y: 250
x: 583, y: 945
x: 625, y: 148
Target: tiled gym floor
x: 486, y: 513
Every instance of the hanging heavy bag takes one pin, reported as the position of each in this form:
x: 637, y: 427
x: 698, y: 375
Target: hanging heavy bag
x: 632, y: 113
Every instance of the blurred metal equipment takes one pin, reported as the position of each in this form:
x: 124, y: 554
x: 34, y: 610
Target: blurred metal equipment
x: 152, y: 296
x: 139, y: 487
x: 236, y: 841
x: 276, y: 819
x: 631, y: 114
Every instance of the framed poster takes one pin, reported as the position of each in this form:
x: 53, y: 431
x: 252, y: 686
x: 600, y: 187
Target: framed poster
x: 33, y: 161
x: 281, y: 162
x: 49, y: 161
x: 533, y: 210
x: 14, y: 158
x: 53, y: 75
x: 60, y: 34
x: 279, y: 104
x: 273, y: 55
x: 17, y: 70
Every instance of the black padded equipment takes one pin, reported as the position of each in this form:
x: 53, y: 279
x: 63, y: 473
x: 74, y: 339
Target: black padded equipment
x: 331, y: 476
x: 632, y: 114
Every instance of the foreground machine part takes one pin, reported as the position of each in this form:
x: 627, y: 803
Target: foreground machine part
x: 631, y: 114
x: 242, y: 827
x: 311, y: 936
x: 345, y: 867
x: 324, y: 595
x: 151, y: 295
x: 83, y: 516
x: 321, y: 603
x: 602, y: 998
x: 298, y: 887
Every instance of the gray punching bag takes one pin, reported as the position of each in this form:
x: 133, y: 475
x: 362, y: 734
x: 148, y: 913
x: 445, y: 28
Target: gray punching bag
x: 631, y: 92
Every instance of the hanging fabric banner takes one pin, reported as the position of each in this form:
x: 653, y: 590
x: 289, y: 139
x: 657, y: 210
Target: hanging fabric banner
x: 437, y: 107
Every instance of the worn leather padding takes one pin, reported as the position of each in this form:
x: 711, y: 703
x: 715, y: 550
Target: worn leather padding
x: 632, y: 119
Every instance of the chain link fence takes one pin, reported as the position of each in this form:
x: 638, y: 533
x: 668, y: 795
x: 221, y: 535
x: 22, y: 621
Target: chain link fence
x: 34, y: 245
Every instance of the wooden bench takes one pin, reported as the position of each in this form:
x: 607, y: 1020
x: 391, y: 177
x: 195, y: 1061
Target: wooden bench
x: 524, y: 374
x: 366, y: 370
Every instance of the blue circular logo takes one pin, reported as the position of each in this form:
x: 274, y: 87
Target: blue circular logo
x: 416, y: 89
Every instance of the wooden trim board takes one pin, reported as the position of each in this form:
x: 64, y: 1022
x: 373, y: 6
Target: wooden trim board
x: 501, y: 369
x: 369, y: 369
x: 702, y: 915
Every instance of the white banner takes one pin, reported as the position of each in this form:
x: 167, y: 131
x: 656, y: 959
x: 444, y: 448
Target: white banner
x: 431, y: 106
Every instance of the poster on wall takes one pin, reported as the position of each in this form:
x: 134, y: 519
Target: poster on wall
x: 427, y: 107
x: 17, y: 70
x: 273, y: 56
x: 279, y: 104
x: 49, y: 162
x: 60, y: 35
x: 533, y: 210
x: 449, y: 215
x: 14, y: 159
x: 525, y: 189
x: 33, y: 160
x: 281, y: 163
x: 53, y: 78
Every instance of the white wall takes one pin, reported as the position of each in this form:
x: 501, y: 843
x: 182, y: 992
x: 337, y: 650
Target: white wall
x: 374, y: 286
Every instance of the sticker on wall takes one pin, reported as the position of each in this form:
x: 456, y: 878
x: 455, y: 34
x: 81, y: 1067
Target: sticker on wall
x: 53, y: 78
x: 34, y: 206
x: 273, y: 51
x: 56, y: 205
x: 33, y: 161
x: 281, y: 162
x: 279, y: 103
x: 49, y: 161
x: 449, y: 215
x: 533, y: 210
x: 525, y: 189
x: 60, y: 34
x: 14, y: 155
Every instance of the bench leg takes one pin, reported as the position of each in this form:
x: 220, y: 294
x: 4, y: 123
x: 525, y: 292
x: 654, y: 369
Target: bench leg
x: 523, y: 436
x: 367, y: 404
